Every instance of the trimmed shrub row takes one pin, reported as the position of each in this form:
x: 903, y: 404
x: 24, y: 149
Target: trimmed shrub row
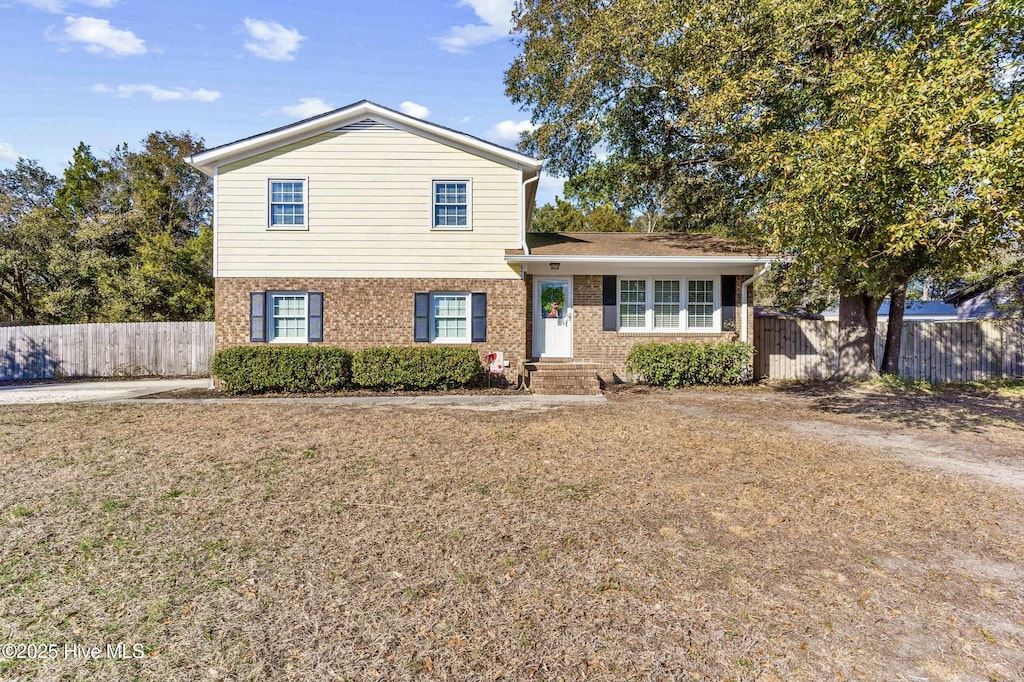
x: 283, y: 369
x: 308, y: 369
x: 415, y: 369
x: 672, y: 365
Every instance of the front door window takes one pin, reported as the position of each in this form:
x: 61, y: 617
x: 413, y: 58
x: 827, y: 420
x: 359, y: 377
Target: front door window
x: 553, y: 319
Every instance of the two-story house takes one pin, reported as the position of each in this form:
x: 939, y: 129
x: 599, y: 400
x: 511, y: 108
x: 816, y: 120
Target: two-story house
x: 366, y: 227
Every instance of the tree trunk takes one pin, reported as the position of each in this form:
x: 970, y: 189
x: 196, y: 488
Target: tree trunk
x: 858, y: 320
x: 894, y: 331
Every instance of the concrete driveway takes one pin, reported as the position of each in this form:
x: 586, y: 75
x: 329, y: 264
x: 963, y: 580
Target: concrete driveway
x: 92, y: 391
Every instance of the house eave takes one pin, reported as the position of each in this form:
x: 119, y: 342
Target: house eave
x: 641, y: 260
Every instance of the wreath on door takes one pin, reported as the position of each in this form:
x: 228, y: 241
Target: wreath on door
x: 552, y: 301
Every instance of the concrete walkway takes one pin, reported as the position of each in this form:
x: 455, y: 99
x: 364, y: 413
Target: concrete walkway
x: 129, y: 391
x: 91, y: 391
x: 482, y: 403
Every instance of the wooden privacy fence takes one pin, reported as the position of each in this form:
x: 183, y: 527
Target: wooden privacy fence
x: 933, y: 351
x: 129, y: 349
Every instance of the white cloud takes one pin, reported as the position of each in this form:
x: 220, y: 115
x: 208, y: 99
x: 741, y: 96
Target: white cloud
x: 57, y: 6
x: 495, y: 23
x: 100, y: 37
x: 307, y: 106
x: 7, y: 153
x: 159, y: 94
x: 548, y: 188
x: 272, y: 41
x: 413, y: 109
x: 509, y: 132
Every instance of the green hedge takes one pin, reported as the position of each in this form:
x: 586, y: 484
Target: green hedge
x: 283, y: 369
x: 689, y: 364
x: 415, y: 367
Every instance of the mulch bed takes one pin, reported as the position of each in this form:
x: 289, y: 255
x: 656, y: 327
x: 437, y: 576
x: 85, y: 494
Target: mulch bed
x: 206, y: 393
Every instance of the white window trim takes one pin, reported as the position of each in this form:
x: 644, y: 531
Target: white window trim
x: 684, y: 304
x: 270, y: 316
x: 469, y: 205
x: 716, y: 304
x: 469, y: 317
x: 305, y: 202
x: 648, y: 310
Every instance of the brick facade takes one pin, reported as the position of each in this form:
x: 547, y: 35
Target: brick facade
x: 366, y: 312
x: 592, y: 344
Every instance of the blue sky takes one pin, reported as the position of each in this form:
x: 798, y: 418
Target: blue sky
x: 111, y: 71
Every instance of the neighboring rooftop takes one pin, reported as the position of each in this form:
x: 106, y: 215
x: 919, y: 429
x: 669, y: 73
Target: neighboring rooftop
x: 633, y: 244
x: 931, y: 309
x: 1003, y: 278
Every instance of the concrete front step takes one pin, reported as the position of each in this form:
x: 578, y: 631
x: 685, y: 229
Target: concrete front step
x: 563, y: 378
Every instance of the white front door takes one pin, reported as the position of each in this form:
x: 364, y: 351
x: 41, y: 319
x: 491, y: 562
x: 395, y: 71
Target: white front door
x: 552, y: 317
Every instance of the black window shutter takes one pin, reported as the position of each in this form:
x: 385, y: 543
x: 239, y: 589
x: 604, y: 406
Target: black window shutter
x: 609, y: 300
x: 257, y: 316
x: 479, y: 317
x: 315, y: 321
x: 728, y: 290
x: 421, y: 317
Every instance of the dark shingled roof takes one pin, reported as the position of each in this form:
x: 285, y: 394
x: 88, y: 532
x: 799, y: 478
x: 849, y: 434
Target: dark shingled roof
x: 632, y: 244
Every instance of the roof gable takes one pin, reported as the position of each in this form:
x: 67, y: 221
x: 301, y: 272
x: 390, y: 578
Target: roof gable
x: 363, y: 115
x: 365, y: 124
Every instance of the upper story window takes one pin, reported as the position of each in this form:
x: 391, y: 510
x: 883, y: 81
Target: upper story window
x: 287, y: 205
x: 452, y: 205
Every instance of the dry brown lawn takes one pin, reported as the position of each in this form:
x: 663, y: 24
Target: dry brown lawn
x: 746, y: 535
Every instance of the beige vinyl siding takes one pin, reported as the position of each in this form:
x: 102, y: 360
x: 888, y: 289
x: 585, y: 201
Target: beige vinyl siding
x: 369, y: 212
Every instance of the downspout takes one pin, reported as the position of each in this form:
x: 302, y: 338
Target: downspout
x: 522, y: 266
x: 522, y: 212
x: 214, y: 228
x: 745, y: 295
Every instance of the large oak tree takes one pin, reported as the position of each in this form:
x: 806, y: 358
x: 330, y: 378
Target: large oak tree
x: 868, y: 141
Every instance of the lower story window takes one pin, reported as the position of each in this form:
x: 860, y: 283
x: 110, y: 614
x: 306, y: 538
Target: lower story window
x: 667, y: 305
x: 701, y: 304
x: 450, y: 317
x: 288, y: 318
x: 633, y: 304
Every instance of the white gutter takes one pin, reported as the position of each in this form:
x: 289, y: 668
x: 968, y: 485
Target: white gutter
x: 745, y: 295
x: 522, y: 213
x: 654, y: 260
x: 215, y: 223
x: 214, y: 228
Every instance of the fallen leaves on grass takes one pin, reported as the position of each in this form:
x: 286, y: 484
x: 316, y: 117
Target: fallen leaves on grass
x: 623, y: 541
